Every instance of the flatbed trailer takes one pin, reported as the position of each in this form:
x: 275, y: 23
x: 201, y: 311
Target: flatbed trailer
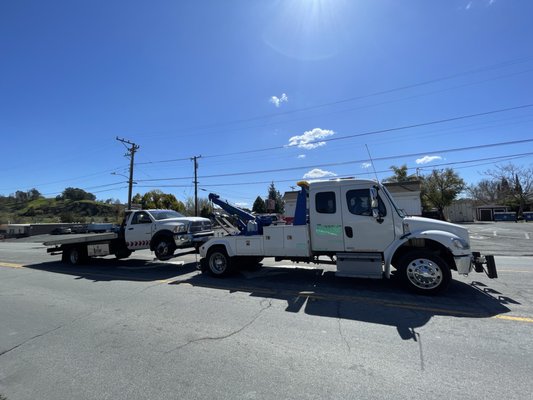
x: 161, y: 231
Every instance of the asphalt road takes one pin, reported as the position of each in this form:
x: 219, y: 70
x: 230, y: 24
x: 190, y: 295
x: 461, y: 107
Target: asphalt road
x: 143, y: 329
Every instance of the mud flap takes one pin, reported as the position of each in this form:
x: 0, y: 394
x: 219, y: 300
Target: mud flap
x: 491, y: 267
x: 480, y: 261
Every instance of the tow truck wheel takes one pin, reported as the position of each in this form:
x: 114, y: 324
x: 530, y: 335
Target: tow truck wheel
x: 164, y: 249
x: 74, y: 256
x: 424, y: 272
x: 218, y: 262
x: 122, y: 253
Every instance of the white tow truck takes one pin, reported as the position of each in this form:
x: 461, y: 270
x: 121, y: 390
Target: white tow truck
x: 162, y: 231
x: 355, y: 225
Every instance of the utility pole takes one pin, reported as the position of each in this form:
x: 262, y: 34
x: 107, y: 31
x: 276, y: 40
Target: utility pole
x: 195, y: 160
x: 131, y: 154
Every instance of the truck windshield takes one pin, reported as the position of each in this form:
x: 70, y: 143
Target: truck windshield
x: 165, y: 214
x: 400, y: 212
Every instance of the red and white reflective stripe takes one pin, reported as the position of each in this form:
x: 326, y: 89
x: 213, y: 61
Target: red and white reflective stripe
x: 138, y: 243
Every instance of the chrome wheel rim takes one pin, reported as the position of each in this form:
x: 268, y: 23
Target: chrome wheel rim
x: 217, y: 263
x: 424, y: 273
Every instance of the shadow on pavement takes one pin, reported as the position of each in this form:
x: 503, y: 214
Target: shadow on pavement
x: 385, y: 302
x: 106, y: 270
x: 313, y: 291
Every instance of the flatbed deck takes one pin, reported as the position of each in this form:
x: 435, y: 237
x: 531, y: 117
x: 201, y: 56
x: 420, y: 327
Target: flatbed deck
x: 81, y: 238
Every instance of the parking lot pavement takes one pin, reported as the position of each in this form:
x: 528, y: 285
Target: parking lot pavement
x: 502, y: 238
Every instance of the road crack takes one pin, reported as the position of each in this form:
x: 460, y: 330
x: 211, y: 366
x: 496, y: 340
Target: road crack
x: 226, y: 336
x: 30, y: 339
x: 341, y: 333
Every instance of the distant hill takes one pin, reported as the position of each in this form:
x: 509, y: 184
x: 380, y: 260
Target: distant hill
x: 56, y: 210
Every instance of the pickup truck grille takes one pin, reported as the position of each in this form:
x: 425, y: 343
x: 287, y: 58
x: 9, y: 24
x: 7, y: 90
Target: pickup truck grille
x: 200, y: 226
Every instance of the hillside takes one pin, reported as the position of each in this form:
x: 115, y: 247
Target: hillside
x: 45, y: 210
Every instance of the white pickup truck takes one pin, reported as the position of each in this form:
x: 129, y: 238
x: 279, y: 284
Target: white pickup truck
x: 162, y: 231
x: 355, y: 225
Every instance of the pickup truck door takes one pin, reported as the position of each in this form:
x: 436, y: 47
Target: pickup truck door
x: 138, y: 232
x: 362, y: 232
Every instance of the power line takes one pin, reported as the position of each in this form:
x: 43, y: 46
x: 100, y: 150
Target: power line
x: 452, y: 150
x: 360, y: 97
x: 375, y: 132
x: 363, y: 134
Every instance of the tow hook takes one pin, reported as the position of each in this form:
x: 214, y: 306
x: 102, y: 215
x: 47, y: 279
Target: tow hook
x: 480, y: 262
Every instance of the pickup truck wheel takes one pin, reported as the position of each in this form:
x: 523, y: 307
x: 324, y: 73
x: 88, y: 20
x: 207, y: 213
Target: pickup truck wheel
x: 218, y: 262
x: 424, y: 272
x: 164, y: 249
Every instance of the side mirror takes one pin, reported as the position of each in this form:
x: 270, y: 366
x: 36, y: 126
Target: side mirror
x: 375, y: 205
x: 374, y: 198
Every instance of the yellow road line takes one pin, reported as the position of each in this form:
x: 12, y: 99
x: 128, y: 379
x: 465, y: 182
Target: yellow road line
x: 513, y: 318
x: 11, y: 265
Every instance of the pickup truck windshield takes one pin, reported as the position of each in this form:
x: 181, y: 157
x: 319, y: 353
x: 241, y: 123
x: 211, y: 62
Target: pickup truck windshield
x: 165, y: 214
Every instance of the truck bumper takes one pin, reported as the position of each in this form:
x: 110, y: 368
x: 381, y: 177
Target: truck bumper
x: 187, y: 240
x: 477, y: 262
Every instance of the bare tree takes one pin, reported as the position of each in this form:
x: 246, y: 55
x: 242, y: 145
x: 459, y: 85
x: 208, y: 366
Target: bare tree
x: 486, y: 192
x: 516, y: 183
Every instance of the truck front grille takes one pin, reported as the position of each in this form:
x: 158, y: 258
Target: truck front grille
x: 200, y: 226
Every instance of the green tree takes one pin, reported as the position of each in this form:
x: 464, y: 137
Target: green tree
x: 274, y: 200
x: 34, y: 194
x: 440, y: 188
x: 77, y: 194
x: 158, y: 199
x: 259, y: 206
x: 204, y: 205
x: 401, y: 175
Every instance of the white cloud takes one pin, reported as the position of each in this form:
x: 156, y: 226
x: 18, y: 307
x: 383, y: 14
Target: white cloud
x: 366, y: 165
x: 309, y: 139
x: 278, y: 100
x: 243, y: 205
x: 318, y: 173
x: 428, y: 159
x: 468, y: 6
x: 301, y: 156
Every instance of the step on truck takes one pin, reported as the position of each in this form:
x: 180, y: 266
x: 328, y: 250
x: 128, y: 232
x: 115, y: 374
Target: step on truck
x: 356, y: 226
x: 161, y: 231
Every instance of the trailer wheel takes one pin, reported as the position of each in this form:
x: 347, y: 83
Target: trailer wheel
x: 219, y: 263
x: 424, y: 272
x: 74, y: 256
x: 164, y: 249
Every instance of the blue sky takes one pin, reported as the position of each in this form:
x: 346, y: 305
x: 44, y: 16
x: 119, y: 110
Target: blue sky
x: 296, y: 88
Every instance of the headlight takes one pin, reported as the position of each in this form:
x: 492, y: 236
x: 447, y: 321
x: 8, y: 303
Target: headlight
x: 181, y: 228
x: 460, y: 243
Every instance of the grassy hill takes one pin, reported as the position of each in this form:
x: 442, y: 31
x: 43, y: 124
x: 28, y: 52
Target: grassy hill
x: 45, y: 210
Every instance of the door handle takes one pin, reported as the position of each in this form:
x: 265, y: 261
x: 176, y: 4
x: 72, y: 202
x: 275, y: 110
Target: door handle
x: 349, y: 231
x: 130, y: 229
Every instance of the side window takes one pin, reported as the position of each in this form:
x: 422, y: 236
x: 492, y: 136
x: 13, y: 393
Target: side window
x: 325, y: 203
x: 141, y: 218
x: 359, y: 203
